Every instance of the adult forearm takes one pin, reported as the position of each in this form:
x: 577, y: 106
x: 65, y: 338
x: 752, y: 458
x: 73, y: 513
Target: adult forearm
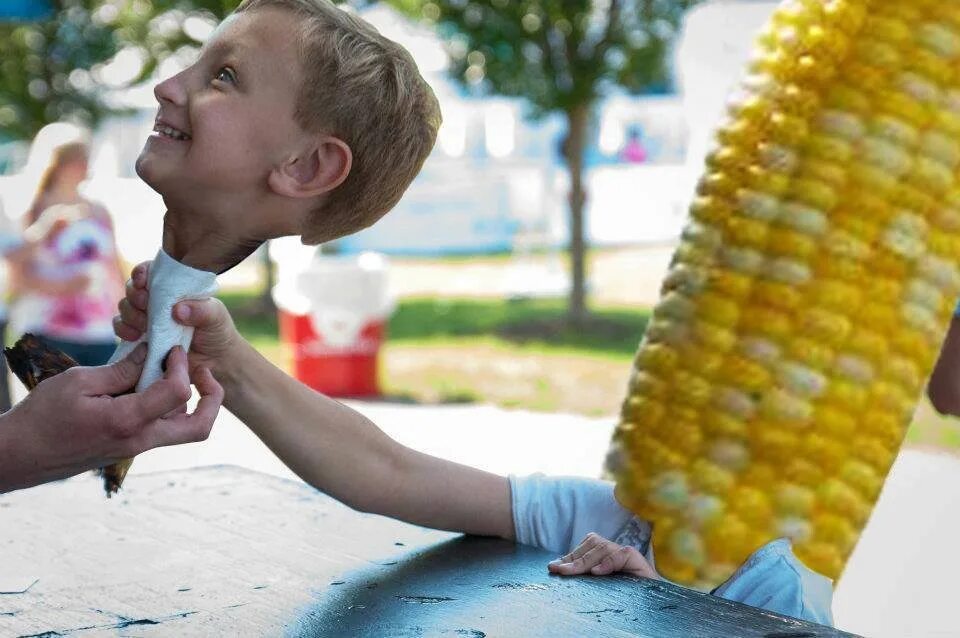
x: 11, y: 474
x: 22, y: 459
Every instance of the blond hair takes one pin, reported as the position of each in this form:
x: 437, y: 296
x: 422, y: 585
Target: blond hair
x: 366, y: 90
x: 55, y: 146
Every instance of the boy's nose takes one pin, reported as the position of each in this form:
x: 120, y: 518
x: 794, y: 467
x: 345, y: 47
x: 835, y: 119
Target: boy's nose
x: 173, y: 89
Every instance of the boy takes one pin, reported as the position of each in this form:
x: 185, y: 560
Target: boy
x: 343, y: 454
x: 297, y: 119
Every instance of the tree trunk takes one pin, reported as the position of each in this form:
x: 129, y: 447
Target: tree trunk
x: 267, y: 307
x: 574, y: 148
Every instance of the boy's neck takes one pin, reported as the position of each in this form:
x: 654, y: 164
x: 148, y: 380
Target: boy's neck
x: 203, y: 248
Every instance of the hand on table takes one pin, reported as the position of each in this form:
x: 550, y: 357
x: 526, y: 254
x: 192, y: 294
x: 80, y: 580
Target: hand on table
x: 598, y: 556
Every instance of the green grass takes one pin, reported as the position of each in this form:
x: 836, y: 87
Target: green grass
x: 540, y: 324
x: 255, y: 326
x: 536, y: 324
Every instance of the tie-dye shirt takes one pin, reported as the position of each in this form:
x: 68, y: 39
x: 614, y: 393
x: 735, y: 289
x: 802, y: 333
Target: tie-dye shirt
x: 85, y: 246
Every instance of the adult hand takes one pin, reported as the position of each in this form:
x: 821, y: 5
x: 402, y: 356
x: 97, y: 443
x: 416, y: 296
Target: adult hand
x: 70, y: 423
x: 600, y: 557
x: 215, y: 336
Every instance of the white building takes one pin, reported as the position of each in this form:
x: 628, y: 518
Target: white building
x: 495, y: 181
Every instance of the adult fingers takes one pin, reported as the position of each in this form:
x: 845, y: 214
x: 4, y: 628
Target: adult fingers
x: 117, y: 377
x: 189, y: 428
x: 164, y: 396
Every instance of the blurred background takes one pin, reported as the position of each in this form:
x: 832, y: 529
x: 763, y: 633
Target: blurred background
x: 501, y: 292
x: 518, y: 270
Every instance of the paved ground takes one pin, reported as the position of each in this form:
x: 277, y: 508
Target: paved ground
x: 901, y: 581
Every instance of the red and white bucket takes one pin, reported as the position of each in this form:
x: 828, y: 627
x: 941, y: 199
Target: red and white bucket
x: 333, y: 317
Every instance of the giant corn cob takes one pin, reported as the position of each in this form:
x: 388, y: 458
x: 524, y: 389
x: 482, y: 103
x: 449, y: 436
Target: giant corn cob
x: 807, y: 301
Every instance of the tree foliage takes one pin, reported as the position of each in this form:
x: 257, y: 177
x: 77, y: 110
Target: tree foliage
x: 58, y: 68
x: 561, y: 56
x: 557, y: 54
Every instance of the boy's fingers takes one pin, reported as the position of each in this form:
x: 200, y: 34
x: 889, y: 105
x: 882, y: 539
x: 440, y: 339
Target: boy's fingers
x: 612, y: 562
x: 579, y: 565
x: 133, y: 317
x: 586, y: 562
x: 124, y: 331
x: 204, y: 313
x: 136, y: 295
x: 589, y: 542
x: 140, y: 274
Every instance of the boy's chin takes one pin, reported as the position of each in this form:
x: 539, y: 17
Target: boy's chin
x: 149, y: 176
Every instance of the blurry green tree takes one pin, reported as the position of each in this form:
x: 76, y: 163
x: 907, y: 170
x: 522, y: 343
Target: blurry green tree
x: 59, y: 66
x: 561, y: 56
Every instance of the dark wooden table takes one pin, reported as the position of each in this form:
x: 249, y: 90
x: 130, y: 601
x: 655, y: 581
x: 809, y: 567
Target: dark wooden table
x: 224, y: 551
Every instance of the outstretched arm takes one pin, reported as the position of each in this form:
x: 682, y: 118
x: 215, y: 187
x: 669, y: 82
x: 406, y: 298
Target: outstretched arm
x: 330, y: 446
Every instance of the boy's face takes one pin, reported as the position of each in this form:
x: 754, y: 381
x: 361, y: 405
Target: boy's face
x: 228, y: 119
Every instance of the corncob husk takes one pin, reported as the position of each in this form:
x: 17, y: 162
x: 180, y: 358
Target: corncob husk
x: 807, y: 301
x: 33, y: 361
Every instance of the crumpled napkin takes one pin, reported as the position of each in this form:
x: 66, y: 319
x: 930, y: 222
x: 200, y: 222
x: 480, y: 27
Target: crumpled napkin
x: 170, y: 282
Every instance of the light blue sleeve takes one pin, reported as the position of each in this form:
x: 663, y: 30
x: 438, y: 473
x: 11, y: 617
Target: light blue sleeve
x: 556, y: 513
x: 773, y: 578
x: 956, y: 310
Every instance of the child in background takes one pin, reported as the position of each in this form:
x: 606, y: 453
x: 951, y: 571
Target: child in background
x: 68, y: 286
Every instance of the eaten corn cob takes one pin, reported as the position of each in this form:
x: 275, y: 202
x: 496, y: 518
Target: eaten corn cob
x: 807, y: 301
x: 33, y: 361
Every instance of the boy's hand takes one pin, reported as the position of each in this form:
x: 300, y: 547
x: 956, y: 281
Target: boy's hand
x: 600, y: 557
x: 214, y: 337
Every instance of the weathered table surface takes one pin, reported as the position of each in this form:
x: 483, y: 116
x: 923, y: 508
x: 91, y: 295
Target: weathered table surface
x: 223, y: 551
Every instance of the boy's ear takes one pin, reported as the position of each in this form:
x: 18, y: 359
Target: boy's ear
x: 319, y: 169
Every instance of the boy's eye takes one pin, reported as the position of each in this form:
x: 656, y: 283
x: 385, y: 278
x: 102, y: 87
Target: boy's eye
x: 226, y: 74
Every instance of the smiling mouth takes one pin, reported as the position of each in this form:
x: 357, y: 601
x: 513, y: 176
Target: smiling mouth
x: 170, y: 132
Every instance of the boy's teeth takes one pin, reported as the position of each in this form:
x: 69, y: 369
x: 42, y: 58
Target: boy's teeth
x: 172, y: 132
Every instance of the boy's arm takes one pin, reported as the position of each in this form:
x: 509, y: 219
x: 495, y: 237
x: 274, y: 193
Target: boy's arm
x: 330, y: 446
x: 342, y: 453
x: 944, y: 385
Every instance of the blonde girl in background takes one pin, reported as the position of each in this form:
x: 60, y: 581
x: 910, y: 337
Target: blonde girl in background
x: 68, y: 286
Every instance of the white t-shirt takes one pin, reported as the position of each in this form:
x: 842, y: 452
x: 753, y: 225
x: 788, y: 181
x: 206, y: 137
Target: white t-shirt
x: 556, y: 513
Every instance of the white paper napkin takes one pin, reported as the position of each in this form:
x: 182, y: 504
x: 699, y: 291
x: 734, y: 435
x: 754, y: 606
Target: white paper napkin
x: 170, y: 282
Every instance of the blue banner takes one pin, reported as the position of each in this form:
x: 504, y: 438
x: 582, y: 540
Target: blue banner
x: 24, y: 9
